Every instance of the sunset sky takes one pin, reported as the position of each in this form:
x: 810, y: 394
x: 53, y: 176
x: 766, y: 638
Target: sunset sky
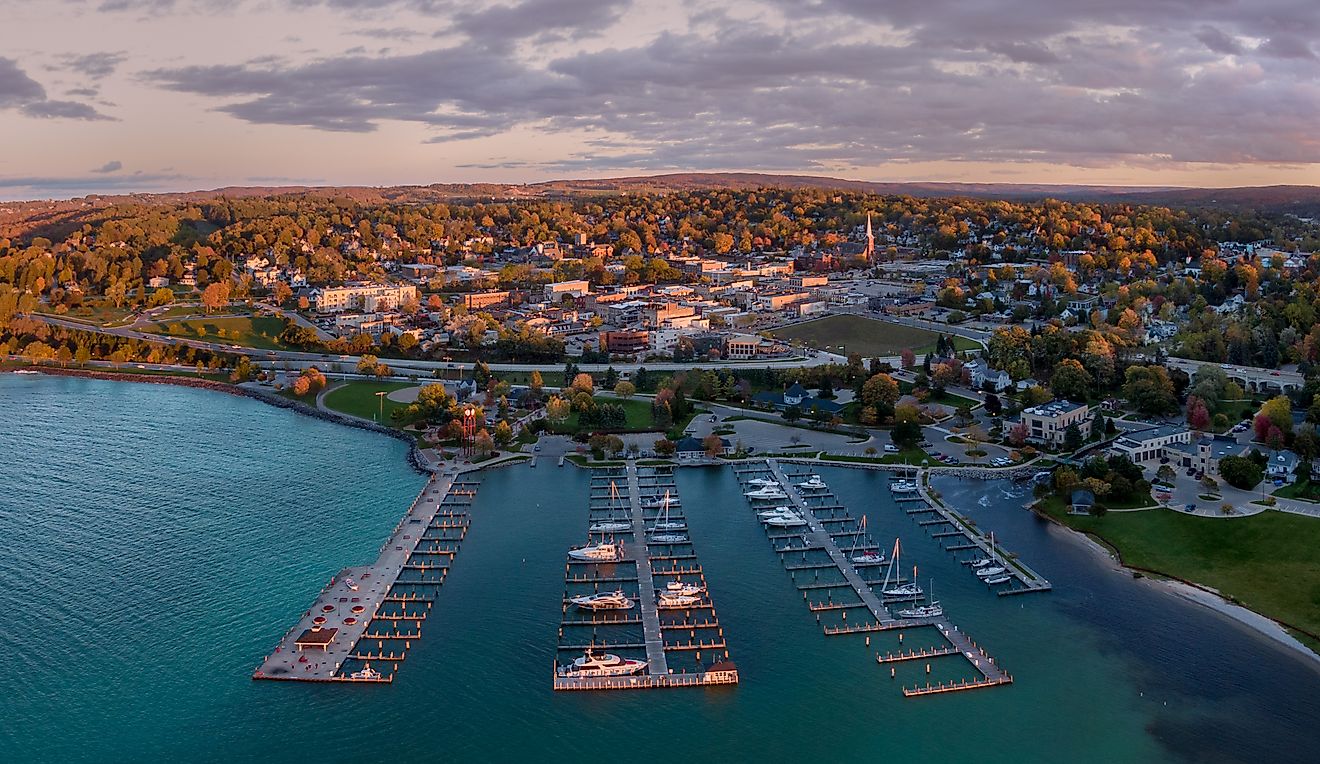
x: 109, y: 96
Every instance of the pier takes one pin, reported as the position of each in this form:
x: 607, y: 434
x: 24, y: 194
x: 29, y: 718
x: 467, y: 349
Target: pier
x: 683, y: 644
x: 365, y: 619
x: 821, y: 556
x: 953, y: 526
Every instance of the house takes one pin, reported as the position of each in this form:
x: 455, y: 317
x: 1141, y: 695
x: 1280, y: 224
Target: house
x: 1081, y: 502
x: 1282, y: 467
x: 689, y: 449
x: 1049, y: 422
x: 797, y: 396
x: 997, y: 379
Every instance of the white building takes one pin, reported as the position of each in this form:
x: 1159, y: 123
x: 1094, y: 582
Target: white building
x: 370, y: 298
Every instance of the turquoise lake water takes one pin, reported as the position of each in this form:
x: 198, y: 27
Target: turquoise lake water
x: 157, y: 541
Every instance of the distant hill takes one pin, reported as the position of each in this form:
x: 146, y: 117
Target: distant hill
x: 17, y: 217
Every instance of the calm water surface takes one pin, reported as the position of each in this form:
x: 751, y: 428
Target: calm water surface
x: 158, y: 540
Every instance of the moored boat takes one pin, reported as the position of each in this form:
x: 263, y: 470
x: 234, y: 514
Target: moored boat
x: 605, y: 664
x: 615, y: 600
x: 605, y: 551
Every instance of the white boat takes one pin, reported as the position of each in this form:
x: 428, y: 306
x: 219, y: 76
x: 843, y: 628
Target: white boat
x: 779, y: 510
x: 904, y: 591
x: 671, y: 600
x: 27, y: 371
x: 656, y: 502
x: 865, y: 558
x: 980, y: 562
x: 999, y: 579
x: 609, y: 526
x: 605, y: 551
x: 605, y: 664
x: 994, y: 570
x: 812, y: 482
x: 784, y: 521
x: 678, y: 587
x: 351, y: 584
x: 933, y: 610
x: 903, y: 486
x: 767, y: 492
x: 762, y: 482
x: 669, y: 538
x: 670, y: 525
x: 615, y: 600
x: 366, y: 672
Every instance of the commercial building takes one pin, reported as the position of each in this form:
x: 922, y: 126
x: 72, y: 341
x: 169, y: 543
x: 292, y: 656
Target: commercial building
x: 625, y: 342
x: 555, y: 292
x: 1048, y: 422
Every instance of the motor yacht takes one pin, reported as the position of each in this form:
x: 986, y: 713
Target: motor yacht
x: 605, y: 551
x: 813, y: 482
x: 366, y: 672
x: 678, y: 587
x: 767, y: 492
x: 787, y: 520
x: 672, y: 600
x: 762, y: 482
x: 615, y: 600
x: 605, y: 664
x: 998, y: 579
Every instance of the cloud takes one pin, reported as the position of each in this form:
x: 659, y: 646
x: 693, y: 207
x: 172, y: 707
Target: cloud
x: 822, y: 84
x: 112, y: 166
x: 54, y: 187
x: 21, y: 92
x: 94, y: 65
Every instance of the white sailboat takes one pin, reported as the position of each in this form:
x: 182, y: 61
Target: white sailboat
x: 872, y: 557
x: 993, y: 569
x: 932, y: 610
x: 609, y: 526
x: 664, y: 523
x: 908, y: 591
x: 669, y: 538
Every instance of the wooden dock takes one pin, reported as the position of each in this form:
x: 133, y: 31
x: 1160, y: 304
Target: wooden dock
x: 1026, y: 579
x: 372, y: 613
x: 819, y: 540
x: 678, y: 642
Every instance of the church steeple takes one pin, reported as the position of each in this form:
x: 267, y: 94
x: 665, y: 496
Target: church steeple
x: 870, y: 238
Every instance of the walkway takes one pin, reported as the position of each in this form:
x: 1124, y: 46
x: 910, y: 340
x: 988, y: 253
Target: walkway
x: 655, y: 643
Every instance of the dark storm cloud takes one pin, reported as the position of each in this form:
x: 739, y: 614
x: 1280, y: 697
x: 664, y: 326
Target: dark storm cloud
x: 844, y: 83
x: 21, y: 92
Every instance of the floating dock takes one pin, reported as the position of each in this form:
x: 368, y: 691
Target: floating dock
x: 833, y: 572
x: 364, y: 621
x: 683, y: 646
x: 948, y: 524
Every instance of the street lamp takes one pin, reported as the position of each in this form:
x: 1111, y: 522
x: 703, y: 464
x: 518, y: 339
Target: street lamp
x: 380, y: 395
x: 469, y: 430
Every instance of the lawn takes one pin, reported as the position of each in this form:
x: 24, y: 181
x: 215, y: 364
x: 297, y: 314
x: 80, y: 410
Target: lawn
x: 1268, y: 562
x: 1303, y: 490
x: 637, y: 410
x: 359, y: 399
x: 99, y: 313
x: 913, y: 456
x: 857, y: 334
x: 260, y: 332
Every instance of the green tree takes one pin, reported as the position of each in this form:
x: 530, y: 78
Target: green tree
x: 1240, y: 472
x: 1072, y: 381
x: 1149, y: 390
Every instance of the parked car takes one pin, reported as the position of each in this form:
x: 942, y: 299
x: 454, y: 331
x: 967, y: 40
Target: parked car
x: 891, y: 448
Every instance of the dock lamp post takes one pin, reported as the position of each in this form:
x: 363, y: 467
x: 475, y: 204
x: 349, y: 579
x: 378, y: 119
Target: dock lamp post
x: 381, y: 397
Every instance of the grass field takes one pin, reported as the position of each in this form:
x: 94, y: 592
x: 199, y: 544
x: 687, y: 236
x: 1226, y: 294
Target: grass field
x: 260, y: 332
x: 359, y: 399
x: 1268, y: 562
x: 867, y: 336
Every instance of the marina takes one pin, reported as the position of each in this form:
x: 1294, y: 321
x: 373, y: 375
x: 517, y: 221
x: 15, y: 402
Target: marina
x: 949, y: 524
x: 807, y: 499
x: 666, y: 632
x: 366, y: 618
